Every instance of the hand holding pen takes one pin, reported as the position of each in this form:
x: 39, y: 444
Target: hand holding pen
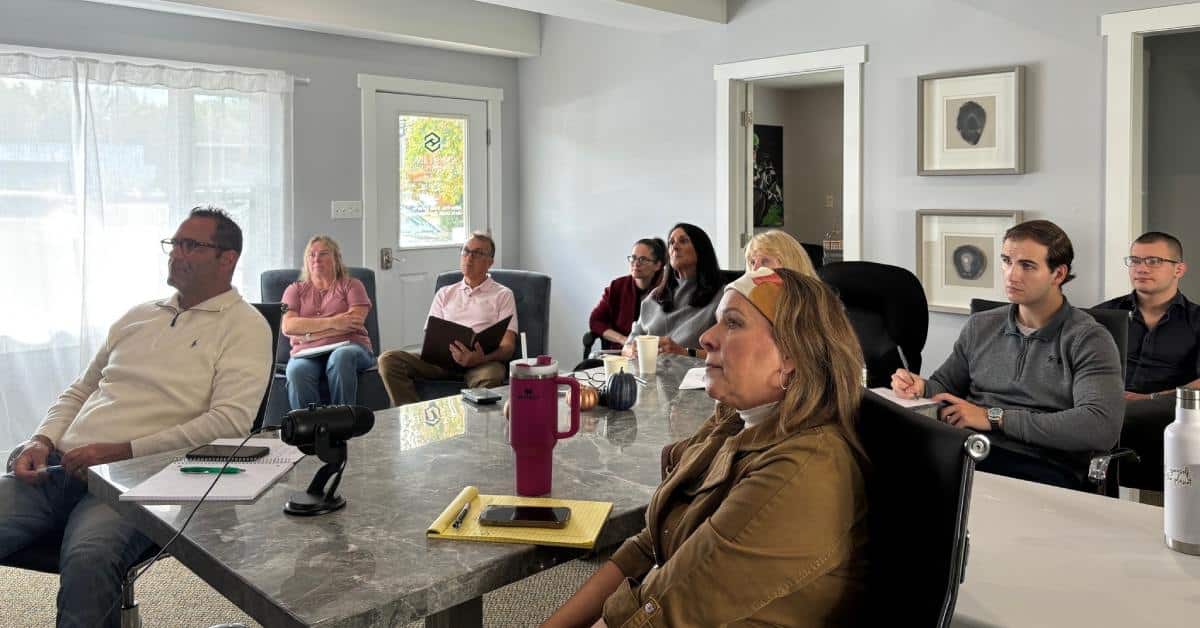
x: 905, y: 383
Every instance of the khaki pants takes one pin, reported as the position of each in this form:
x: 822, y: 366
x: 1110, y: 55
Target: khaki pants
x: 399, y: 368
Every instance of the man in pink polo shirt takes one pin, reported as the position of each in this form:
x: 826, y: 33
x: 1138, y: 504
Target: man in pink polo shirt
x: 477, y: 302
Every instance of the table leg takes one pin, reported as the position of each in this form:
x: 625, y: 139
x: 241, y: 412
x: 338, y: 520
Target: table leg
x: 469, y: 614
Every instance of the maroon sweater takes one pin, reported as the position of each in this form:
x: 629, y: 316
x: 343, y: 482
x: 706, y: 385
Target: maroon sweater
x: 618, y: 308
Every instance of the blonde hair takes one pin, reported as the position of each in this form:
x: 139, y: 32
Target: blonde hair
x: 339, y: 267
x: 784, y: 247
x: 812, y: 330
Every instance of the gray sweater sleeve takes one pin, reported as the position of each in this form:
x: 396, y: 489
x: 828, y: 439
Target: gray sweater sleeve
x: 954, y: 375
x: 1094, y: 423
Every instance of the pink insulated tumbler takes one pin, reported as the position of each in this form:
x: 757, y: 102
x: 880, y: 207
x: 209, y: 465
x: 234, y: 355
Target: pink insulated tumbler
x: 533, y: 420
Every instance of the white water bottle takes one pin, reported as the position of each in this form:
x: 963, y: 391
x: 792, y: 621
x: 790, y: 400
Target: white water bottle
x: 1181, y: 474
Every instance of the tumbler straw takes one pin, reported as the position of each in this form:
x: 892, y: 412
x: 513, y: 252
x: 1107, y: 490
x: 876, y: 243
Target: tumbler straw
x: 524, y: 347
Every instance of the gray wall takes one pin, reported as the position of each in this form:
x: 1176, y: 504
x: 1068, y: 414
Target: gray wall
x: 617, y: 130
x: 326, y: 123
x: 1173, y: 145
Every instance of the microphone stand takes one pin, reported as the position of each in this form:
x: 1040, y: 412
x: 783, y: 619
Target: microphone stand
x: 318, y: 499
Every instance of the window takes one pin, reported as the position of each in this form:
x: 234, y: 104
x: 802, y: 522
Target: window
x: 100, y: 158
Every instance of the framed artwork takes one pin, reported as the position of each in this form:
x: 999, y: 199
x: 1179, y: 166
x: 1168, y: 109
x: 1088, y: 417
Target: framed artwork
x: 958, y: 256
x: 971, y: 122
x: 768, y: 175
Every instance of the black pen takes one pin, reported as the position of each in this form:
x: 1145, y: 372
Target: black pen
x: 462, y: 514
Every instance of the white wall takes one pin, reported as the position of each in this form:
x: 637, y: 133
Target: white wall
x: 617, y: 131
x: 326, y: 123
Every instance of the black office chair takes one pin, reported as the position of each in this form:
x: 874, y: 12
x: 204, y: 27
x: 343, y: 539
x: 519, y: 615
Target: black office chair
x: 43, y: 555
x: 816, y: 254
x: 371, y: 392
x: 919, y: 475
x: 531, y: 291
x: 887, y: 308
x: 1086, y: 471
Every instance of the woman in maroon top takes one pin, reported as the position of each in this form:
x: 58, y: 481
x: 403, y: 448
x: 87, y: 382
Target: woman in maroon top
x: 326, y: 311
x: 613, y: 317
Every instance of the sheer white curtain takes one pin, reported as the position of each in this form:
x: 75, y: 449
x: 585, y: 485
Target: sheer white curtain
x: 100, y: 158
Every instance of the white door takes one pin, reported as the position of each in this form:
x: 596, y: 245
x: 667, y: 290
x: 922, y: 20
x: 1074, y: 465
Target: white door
x: 431, y: 175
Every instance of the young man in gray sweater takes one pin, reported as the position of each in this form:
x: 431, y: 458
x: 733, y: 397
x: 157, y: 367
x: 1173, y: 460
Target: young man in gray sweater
x: 1039, y: 371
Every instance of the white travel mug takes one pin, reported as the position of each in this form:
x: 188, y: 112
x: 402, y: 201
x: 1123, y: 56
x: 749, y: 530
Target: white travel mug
x: 647, y: 349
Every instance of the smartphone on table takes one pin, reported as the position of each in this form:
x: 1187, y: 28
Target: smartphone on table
x: 525, y: 516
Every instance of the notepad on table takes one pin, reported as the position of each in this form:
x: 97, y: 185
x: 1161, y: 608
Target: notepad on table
x: 311, y: 351
x: 693, y: 379
x: 919, y: 405
x: 172, y: 486
x: 581, y: 531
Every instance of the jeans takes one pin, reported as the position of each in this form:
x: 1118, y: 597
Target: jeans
x: 98, y: 545
x: 340, y: 367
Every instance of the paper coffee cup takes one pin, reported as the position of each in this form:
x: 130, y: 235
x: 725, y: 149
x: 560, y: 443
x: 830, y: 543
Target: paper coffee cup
x: 647, y: 349
x: 614, y: 364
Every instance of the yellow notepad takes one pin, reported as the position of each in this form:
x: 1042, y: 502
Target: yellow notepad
x: 581, y: 531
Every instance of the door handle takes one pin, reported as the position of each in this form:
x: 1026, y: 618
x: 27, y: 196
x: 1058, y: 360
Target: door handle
x: 385, y: 258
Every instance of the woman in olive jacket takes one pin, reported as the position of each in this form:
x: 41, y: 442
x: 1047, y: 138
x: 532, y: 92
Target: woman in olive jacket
x: 761, y: 519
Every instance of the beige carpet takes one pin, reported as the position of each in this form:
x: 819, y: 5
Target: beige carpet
x: 170, y: 596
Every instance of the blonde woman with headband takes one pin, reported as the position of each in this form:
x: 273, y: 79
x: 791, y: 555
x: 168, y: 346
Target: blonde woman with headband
x: 761, y: 519
x: 778, y: 249
x: 325, y: 307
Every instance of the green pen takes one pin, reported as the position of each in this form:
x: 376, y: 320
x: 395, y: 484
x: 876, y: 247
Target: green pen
x: 213, y: 470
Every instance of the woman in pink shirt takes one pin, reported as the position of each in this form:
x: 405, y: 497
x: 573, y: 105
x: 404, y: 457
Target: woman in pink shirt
x: 326, y: 310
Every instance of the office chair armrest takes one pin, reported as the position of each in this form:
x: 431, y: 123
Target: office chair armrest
x: 1098, y: 467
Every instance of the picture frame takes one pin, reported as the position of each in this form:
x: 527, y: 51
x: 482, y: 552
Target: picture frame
x: 958, y: 256
x: 971, y: 122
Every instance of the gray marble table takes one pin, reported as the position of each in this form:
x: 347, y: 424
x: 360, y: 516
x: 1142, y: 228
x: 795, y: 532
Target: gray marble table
x: 370, y: 563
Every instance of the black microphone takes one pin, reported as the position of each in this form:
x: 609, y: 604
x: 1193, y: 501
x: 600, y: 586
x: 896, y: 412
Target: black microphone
x: 340, y: 422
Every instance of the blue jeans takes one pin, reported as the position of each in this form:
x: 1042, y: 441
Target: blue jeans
x: 98, y: 545
x: 340, y: 367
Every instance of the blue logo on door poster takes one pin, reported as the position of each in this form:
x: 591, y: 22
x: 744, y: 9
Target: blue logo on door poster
x: 433, y: 142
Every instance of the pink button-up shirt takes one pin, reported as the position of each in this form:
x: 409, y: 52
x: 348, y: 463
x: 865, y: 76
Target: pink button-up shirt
x: 478, y: 308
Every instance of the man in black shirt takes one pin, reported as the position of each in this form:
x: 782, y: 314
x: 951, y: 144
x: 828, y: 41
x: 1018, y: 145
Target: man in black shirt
x: 1164, y: 326
x: 1164, y: 351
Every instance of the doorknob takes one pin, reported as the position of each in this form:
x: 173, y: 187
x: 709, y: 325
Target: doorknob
x: 385, y: 258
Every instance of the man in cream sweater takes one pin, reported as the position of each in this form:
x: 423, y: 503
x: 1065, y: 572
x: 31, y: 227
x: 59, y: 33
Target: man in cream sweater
x: 171, y: 374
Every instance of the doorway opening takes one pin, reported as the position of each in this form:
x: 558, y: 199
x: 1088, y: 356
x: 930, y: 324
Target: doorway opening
x: 796, y: 143
x: 807, y: 111
x: 1128, y: 189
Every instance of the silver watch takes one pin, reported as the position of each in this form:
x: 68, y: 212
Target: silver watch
x: 994, y: 416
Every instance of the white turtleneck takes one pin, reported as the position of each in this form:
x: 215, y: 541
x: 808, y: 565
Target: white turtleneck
x: 757, y: 414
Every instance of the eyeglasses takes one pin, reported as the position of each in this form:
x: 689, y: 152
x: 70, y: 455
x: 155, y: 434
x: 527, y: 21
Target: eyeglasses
x: 1150, y: 262
x: 638, y: 260
x: 475, y: 253
x: 187, y: 245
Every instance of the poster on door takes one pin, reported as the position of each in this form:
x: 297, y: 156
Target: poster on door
x: 768, y: 175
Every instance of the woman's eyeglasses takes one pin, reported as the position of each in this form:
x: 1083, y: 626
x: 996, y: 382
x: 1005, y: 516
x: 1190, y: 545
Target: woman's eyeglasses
x: 638, y: 260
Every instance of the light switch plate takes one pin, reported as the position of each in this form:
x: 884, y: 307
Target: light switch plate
x: 346, y: 210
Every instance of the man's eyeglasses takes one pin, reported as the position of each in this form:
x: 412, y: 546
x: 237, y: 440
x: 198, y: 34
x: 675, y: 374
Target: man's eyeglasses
x: 475, y: 253
x: 1150, y: 262
x: 638, y: 260
x: 187, y: 245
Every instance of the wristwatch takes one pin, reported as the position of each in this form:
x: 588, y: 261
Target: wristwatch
x: 994, y: 416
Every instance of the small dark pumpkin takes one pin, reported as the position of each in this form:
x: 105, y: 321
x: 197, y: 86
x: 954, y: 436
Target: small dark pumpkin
x: 620, y: 393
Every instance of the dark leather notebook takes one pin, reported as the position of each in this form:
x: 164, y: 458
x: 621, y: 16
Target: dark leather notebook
x: 441, y: 333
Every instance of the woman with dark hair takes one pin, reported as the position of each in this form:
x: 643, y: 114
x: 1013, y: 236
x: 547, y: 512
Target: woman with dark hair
x: 761, y: 519
x: 684, y: 303
x: 621, y: 303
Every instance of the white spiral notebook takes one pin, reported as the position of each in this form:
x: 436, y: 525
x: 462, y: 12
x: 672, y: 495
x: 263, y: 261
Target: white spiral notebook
x: 172, y: 485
